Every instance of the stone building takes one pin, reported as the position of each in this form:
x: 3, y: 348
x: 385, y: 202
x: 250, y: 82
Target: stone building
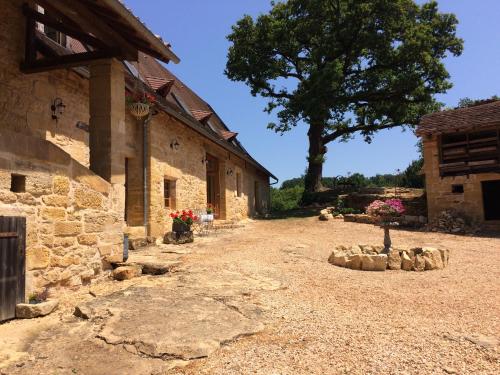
x: 78, y: 165
x: 462, y: 162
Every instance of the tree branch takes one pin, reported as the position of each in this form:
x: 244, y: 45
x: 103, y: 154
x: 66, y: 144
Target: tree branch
x: 353, y: 129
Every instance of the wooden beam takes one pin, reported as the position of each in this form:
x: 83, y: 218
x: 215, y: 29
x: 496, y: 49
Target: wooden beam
x: 88, y: 21
x: 61, y: 27
x: 30, y: 40
x: 68, y: 61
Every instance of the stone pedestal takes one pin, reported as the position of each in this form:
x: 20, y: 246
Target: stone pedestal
x: 178, y: 238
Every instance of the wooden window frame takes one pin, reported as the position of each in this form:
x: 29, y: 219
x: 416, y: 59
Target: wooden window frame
x: 169, y: 185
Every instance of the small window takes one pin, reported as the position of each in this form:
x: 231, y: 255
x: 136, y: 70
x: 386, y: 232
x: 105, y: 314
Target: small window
x: 238, y: 184
x: 457, y: 189
x: 169, y: 193
x: 18, y: 183
x: 55, y: 35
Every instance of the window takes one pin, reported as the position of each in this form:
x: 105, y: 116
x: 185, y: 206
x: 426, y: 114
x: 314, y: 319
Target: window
x: 169, y: 193
x: 457, y: 189
x: 238, y: 184
x: 17, y: 183
x: 55, y: 35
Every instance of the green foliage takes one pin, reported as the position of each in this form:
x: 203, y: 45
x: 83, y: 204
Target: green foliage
x: 468, y: 102
x: 344, y: 66
x: 285, y: 199
x: 412, y: 177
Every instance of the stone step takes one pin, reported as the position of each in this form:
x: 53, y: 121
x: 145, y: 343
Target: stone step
x: 150, y: 266
x: 136, y: 243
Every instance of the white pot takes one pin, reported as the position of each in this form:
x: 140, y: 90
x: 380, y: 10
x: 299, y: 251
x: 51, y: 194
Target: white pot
x: 207, y: 218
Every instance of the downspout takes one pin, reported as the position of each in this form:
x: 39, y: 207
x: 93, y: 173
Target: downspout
x: 145, y: 164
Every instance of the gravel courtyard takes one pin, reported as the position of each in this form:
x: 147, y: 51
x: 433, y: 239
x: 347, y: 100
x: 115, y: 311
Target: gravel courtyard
x: 319, y: 319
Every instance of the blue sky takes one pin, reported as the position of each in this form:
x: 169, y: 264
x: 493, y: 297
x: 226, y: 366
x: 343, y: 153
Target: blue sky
x: 197, y: 30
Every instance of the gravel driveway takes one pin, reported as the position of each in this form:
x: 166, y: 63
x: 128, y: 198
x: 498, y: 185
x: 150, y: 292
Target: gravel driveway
x: 321, y: 319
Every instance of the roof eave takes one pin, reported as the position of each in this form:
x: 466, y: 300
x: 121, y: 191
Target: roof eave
x: 163, y: 49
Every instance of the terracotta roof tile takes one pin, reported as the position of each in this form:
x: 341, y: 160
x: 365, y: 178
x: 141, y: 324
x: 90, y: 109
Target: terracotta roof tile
x: 478, y: 116
x: 201, y: 115
x: 228, y: 135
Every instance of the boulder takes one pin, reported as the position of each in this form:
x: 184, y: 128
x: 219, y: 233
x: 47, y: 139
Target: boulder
x: 394, y: 260
x: 324, y: 212
x: 406, y: 262
x: 126, y: 272
x: 419, y: 263
x: 432, y: 258
x: 354, y: 262
x: 354, y: 250
x: 137, y: 243
x: 338, y: 258
x: 178, y: 238
x: 374, y: 262
x: 325, y: 217
x: 30, y: 311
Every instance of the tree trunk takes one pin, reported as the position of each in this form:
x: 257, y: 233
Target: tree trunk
x: 316, y: 158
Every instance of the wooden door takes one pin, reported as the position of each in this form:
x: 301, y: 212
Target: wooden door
x: 213, y: 184
x: 12, y: 264
x: 491, y: 199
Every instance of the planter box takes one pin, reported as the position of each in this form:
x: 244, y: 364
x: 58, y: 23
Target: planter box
x: 180, y: 227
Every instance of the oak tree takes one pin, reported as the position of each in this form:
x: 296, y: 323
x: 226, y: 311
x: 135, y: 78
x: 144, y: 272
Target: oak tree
x: 344, y: 66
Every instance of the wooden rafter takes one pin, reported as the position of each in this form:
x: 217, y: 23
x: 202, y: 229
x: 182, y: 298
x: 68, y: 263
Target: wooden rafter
x: 81, y: 15
x: 59, y: 26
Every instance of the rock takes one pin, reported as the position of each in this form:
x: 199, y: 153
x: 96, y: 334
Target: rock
x: 83, y: 311
x: 137, y: 243
x: 339, y: 217
x: 126, y: 272
x: 486, y: 342
x: 445, y: 256
x: 324, y: 212
x: 374, y: 262
x: 419, y: 263
x: 432, y: 258
x: 354, y: 262
x: 325, y: 217
x: 30, y: 311
x: 178, y: 238
x: 354, y: 250
x: 394, y: 260
x: 338, y: 258
x: 406, y: 262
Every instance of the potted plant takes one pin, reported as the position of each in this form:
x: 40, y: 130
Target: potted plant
x: 38, y: 297
x: 387, y: 213
x: 182, y: 221
x: 140, y: 103
x: 209, y: 215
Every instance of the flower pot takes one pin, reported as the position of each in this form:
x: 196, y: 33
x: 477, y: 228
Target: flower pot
x: 207, y: 218
x: 180, y: 227
x: 139, y: 110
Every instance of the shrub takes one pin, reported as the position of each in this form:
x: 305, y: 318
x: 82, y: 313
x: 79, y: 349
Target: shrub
x: 286, y: 199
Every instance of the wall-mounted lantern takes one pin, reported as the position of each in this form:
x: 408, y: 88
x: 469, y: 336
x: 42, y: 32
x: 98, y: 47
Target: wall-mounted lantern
x: 174, y: 145
x: 204, y: 160
x: 57, y: 108
x: 230, y: 172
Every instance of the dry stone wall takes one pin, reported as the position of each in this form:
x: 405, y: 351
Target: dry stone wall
x: 73, y: 226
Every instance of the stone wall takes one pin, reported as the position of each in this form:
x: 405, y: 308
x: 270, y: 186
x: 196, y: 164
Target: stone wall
x: 73, y: 226
x: 439, y: 190
x: 25, y: 100
x: 185, y: 167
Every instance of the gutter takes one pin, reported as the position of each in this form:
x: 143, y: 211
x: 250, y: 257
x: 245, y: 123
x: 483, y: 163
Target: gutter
x: 145, y: 165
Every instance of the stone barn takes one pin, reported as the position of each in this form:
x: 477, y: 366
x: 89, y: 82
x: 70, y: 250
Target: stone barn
x: 78, y: 166
x: 462, y: 162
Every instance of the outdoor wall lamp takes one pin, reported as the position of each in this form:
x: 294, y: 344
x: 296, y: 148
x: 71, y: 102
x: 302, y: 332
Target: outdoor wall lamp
x: 204, y: 160
x: 230, y: 172
x: 57, y: 108
x: 174, y: 145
